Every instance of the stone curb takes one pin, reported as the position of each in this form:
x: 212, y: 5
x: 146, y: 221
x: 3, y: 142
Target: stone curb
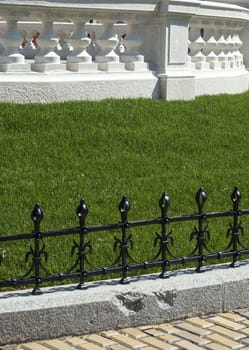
x: 62, y: 311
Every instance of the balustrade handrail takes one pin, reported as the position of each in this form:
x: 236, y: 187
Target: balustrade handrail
x: 82, y: 268
x: 25, y: 8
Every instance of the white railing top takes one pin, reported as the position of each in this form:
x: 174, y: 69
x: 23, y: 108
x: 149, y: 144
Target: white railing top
x: 208, y: 9
x: 64, y: 9
x: 243, y: 3
x: 117, y: 5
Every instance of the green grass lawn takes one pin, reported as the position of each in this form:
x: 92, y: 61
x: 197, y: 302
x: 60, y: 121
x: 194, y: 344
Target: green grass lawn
x: 55, y: 154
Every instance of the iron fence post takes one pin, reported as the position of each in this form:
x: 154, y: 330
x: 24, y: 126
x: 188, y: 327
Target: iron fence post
x: 164, y: 204
x: 37, y: 216
x: 124, y: 207
x: 236, y: 227
x: 200, y: 198
x: 82, y: 211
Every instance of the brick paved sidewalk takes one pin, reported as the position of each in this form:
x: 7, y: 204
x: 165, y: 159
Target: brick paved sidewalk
x: 222, y: 331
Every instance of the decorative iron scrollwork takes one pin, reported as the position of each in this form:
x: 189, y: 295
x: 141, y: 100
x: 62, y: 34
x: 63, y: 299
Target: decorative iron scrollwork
x: 124, y: 242
x: 37, y: 252
x: 82, y: 248
x: 235, y: 229
x: 201, y: 233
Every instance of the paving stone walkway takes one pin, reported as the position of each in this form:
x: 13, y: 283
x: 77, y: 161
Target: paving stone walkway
x: 221, y: 331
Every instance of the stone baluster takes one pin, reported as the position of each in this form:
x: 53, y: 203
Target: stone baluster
x: 237, y: 54
x: 11, y: 59
x: 189, y: 47
x: 196, y: 48
x: 79, y: 59
x: 120, y: 28
x: 47, y: 59
x: 107, y: 40
x: 222, y: 57
x: 132, y: 57
x: 210, y: 47
x: 64, y: 31
x: 92, y: 27
x: 221, y: 45
x: 63, y: 47
x: 230, y: 51
x: 31, y: 30
x: 211, y: 56
x: 237, y: 44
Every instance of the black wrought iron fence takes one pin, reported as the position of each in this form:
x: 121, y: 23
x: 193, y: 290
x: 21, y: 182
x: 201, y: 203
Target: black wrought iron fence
x: 83, y: 269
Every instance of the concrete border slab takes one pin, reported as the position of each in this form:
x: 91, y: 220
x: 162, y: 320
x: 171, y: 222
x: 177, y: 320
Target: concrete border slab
x: 104, y: 305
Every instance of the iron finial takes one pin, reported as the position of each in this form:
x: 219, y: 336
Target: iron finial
x: 37, y: 214
x: 201, y: 197
x: 164, y: 203
x: 124, y: 207
x: 236, y: 195
x: 82, y: 211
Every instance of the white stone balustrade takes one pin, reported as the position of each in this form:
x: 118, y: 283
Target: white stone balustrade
x: 155, y: 48
x: 215, y: 45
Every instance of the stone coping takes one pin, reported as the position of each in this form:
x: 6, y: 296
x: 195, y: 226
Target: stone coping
x: 64, y: 310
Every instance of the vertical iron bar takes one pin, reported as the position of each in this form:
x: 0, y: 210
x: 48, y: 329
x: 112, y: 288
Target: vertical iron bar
x: 200, y: 198
x: 235, y: 197
x: 124, y: 207
x: 37, y: 216
x: 164, y: 204
x: 82, y: 211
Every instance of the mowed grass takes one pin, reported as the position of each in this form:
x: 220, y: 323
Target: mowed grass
x: 57, y: 154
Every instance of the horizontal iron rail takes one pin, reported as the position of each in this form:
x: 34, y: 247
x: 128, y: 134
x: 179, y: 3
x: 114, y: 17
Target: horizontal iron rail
x: 111, y: 270
x: 128, y: 224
